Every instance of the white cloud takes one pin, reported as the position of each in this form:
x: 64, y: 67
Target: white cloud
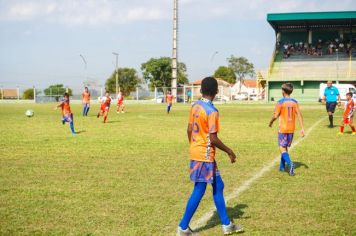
x: 100, y: 12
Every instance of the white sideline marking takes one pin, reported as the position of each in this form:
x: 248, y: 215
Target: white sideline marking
x: 246, y: 185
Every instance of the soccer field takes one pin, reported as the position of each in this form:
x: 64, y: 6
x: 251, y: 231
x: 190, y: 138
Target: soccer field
x: 130, y: 176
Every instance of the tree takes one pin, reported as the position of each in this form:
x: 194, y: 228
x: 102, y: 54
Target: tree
x: 128, y: 80
x: 158, y: 72
x: 225, y: 73
x: 57, y: 90
x: 28, y: 94
x: 241, y: 67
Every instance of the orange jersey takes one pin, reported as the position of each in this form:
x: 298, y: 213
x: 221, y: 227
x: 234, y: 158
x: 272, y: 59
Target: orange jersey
x: 169, y: 98
x: 286, y: 109
x: 65, y: 107
x: 349, y: 109
x: 105, y: 101
x: 204, y: 119
x: 86, y: 97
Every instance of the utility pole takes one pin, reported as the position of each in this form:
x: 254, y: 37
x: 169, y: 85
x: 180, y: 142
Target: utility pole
x: 117, y: 74
x: 174, y: 53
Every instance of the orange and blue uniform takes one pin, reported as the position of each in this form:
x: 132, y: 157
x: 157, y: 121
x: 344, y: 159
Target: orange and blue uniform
x: 286, y: 109
x: 349, y: 112
x: 204, y: 120
x: 67, y: 113
x: 169, y: 100
x: 86, y: 102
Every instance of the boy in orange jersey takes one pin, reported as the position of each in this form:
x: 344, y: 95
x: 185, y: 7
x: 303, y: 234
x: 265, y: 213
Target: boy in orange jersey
x: 86, y: 101
x: 66, y: 112
x: 120, y: 107
x: 202, y: 132
x: 348, y: 115
x: 105, y: 106
x: 169, y: 100
x: 286, y: 110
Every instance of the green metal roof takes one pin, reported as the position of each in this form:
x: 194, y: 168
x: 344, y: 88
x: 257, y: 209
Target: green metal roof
x: 312, y: 20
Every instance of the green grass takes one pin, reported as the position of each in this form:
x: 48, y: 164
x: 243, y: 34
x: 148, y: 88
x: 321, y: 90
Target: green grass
x: 130, y: 176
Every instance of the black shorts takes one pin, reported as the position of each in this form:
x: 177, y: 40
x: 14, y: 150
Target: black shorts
x: 330, y: 106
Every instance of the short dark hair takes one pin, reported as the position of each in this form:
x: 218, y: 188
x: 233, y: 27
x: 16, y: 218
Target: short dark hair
x: 209, y: 86
x: 66, y: 95
x: 287, y: 88
x: 349, y: 94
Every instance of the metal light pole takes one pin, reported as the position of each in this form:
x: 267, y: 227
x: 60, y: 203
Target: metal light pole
x: 174, y: 51
x: 85, y: 65
x: 117, y: 73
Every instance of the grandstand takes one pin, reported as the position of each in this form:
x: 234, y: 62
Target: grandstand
x: 311, y: 48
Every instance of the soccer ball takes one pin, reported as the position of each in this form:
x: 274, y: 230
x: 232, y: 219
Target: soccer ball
x: 29, y: 113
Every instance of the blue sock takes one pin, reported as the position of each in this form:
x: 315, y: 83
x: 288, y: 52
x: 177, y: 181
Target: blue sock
x: 84, y: 109
x: 287, y: 159
x: 193, y: 203
x: 168, y: 108
x: 72, y: 127
x: 87, y: 110
x: 282, y: 165
x: 218, y: 188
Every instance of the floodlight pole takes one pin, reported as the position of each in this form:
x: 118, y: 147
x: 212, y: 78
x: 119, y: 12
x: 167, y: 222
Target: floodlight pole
x: 117, y: 73
x: 174, y: 51
x: 85, y: 66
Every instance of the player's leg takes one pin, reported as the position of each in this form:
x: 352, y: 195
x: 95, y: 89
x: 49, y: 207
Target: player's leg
x: 331, y: 109
x: 123, y: 108
x: 71, y: 123
x: 352, y: 126
x: 193, y: 203
x: 84, y: 108
x: 168, y: 108
x: 218, y: 195
x: 106, y: 113
x: 342, y: 127
x: 87, y: 110
x: 285, y: 141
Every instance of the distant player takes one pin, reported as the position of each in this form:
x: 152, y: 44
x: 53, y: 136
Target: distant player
x: 286, y: 110
x: 86, y: 101
x: 120, y: 107
x: 347, y: 118
x: 105, y: 106
x: 66, y: 112
x: 169, y: 101
x: 202, y: 133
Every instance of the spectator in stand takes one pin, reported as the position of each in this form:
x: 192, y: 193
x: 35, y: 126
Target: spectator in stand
x: 285, y: 51
x: 341, y: 47
x: 300, y: 46
x: 348, y: 48
x: 319, y: 48
x: 306, y: 46
x: 331, y: 48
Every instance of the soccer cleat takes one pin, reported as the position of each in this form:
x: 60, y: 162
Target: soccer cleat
x: 331, y: 126
x: 353, y: 133
x: 63, y: 122
x: 231, y: 229
x: 184, y: 232
x: 340, y: 133
x: 291, y: 170
x: 281, y: 169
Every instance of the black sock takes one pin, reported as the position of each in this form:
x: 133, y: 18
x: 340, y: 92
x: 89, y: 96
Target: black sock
x: 331, y: 120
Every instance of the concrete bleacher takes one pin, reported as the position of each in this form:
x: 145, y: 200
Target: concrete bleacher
x: 301, y: 66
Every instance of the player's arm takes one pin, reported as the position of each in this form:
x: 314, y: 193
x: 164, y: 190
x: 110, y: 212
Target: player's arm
x: 323, y: 100
x: 275, y: 116
x: 215, y: 141
x: 189, y: 132
x: 338, y: 100
x: 59, y: 105
x: 300, y: 120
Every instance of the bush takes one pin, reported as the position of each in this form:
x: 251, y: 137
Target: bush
x: 28, y: 94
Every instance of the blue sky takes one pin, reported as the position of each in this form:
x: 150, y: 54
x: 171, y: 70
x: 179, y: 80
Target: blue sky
x: 40, y: 41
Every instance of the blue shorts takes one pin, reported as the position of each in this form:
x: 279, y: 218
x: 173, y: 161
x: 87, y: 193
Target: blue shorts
x: 68, y: 118
x: 203, y: 171
x: 285, y: 140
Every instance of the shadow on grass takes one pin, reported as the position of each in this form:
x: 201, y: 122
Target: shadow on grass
x: 79, y: 132
x: 234, y: 213
x: 112, y: 121
x: 300, y: 164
